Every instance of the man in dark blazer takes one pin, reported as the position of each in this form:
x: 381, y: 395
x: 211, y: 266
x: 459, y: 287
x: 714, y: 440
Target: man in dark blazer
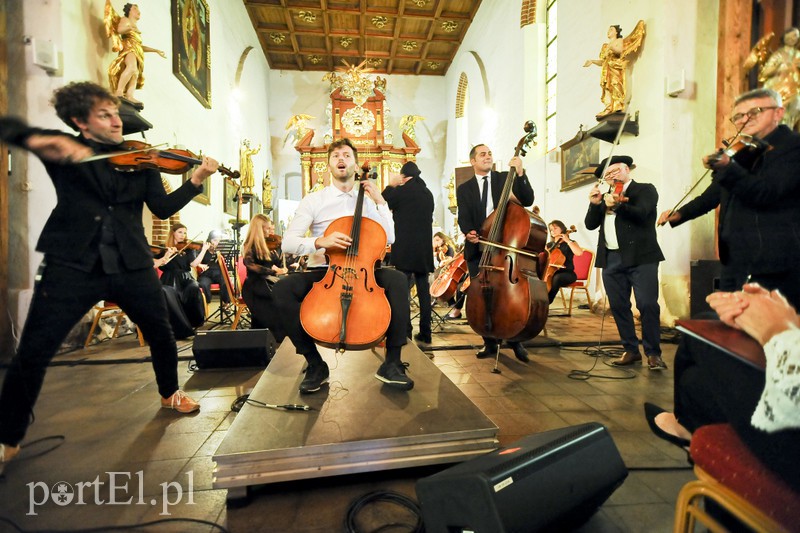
x: 94, y: 249
x: 628, y: 253
x: 759, y: 221
x: 412, y: 208
x: 473, y: 210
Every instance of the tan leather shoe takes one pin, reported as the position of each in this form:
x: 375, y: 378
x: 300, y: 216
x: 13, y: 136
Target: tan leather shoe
x: 628, y: 358
x: 180, y: 402
x: 7, y: 452
x: 656, y: 363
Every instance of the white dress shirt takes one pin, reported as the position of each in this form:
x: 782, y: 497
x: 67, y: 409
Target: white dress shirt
x: 318, y: 209
x: 609, y: 225
x: 489, y: 200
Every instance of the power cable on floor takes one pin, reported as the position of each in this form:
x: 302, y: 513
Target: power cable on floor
x: 388, y: 496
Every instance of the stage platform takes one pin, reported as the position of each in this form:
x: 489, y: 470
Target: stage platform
x: 357, y: 424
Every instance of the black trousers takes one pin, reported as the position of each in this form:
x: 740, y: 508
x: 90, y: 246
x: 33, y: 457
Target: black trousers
x: 209, y: 277
x: 290, y: 291
x: 420, y: 279
x: 562, y: 278
x: 713, y: 387
x: 60, y: 299
x: 643, y: 279
x: 257, y: 294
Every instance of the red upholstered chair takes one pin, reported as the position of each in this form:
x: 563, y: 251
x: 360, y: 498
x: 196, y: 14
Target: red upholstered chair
x: 107, y: 309
x: 584, y: 264
x: 730, y: 475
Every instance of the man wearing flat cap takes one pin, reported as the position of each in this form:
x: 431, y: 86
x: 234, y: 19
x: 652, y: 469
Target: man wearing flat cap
x: 412, y: 208
x: 628, y: 253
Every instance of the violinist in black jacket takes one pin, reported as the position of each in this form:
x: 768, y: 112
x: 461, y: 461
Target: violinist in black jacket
x: 94, y: 249
x: 628, y: 253
x: 474, y: 206
x: 759, y: 219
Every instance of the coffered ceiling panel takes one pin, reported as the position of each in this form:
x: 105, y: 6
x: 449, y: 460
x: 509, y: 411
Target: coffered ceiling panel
x: 392, y: 36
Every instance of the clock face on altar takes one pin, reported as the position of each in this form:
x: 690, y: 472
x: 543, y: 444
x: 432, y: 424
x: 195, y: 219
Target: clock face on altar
x: 358, y: 121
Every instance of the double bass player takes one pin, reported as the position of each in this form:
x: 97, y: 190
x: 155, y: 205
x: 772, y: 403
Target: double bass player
x: 477, y: 198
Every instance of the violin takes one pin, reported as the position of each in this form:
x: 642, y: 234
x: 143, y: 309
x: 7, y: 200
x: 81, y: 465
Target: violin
x: 273, y: 242
x: 137, y: 155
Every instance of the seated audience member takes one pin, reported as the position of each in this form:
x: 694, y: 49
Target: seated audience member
x: 711, y: 386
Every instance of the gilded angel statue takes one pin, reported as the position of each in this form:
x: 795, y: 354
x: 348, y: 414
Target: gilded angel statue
x: 126, y: 72
x: 780, y: 71
x: 407, y: 123
x: 613, y: 62
x: 246, y: 153
x: 296, y: 128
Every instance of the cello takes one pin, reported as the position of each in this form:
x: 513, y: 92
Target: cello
x: 445, y: 285
x: 508, y: 300
x: 347, y: 309
x: 556, y: 260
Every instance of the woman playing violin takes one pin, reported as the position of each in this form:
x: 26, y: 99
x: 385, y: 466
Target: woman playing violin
x: 210, y: 271
x: 264, y: 262
x: 567, y: 250
x: 176, y: 266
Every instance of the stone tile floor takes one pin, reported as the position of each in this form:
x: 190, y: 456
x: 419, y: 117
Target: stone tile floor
x: 114, y: 433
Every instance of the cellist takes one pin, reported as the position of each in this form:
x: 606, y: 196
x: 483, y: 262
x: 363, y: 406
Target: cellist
x: 566, y: 249
x: 477, y: 198
x: 314, y: 213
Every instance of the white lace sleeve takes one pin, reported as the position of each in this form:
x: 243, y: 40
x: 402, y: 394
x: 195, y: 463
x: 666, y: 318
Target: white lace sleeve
x: 779, y: 406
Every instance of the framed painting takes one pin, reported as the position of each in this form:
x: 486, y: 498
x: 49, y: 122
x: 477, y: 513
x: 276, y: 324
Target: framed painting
x: 203, y: 197
x: 256, y: 206
x: 579, y: 157
x: 191, y: 47
x: 230, y: 201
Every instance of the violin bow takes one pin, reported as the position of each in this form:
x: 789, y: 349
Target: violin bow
x: 98, y: 157
x: 616, y: 139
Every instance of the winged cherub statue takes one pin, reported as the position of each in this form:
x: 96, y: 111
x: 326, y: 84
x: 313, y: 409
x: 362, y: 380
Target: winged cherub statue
x: 296, y: 128
x: 780, y: 71
x: 126, y: 72
x: 613, y: 61
x: 407, y: 123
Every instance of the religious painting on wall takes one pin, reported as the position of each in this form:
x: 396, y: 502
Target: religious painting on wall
x: 230, y: 199
x: 579, y: 158
x: 191, y: 47
x: 203, y: 197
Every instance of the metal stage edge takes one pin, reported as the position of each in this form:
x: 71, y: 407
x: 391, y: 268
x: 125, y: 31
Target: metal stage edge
x: 357, y: 424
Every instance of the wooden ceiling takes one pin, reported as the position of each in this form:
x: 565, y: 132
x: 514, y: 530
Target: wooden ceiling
x: 393, y: 36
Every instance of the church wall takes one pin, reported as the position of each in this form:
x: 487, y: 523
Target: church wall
x: 76, y: 28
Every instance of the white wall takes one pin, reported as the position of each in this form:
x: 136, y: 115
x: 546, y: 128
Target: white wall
x: 76, y: 28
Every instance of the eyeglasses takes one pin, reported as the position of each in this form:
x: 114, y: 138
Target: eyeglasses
x: 752, y: 113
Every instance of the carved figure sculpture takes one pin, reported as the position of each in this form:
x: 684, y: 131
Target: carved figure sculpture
x: 246, y: 165
x: 126, y: 72
x: 613, y: 62
x: 780, y: 71
x: 407, y: 123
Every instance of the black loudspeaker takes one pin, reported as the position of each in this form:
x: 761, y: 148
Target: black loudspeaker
x: 549, y: 481
x: 232, y: 348
x: 704, y: 279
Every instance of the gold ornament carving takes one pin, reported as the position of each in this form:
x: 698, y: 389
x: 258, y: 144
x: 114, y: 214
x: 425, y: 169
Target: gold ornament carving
x: 358, y: 121
x: 307, y: 16
x: 449, y: 26
x: 277, y: 38
x: 410, y: 46
x: 433, y: 65
x: 315, y: 59
x: 345, y: 42
x: 380, y: 21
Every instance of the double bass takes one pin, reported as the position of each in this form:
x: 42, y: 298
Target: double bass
x: 507, y: 299
x: 347, y: 309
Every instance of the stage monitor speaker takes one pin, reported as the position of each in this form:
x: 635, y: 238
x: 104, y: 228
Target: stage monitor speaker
x: 553, y: 481
x: 233, y: 348
x: 704, y: 279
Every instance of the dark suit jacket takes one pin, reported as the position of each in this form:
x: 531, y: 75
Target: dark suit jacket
x: 470, y: 211
x: 635, y: 224
x: 86, y: 203
x: 412, y: 210
x: 759, y: 221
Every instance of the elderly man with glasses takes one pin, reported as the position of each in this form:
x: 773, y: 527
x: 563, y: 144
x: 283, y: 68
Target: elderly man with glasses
x: 757, y: 190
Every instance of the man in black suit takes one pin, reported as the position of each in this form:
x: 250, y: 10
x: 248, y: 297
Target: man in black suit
x: 759, y: 221
x: 412, y: 209
x: 94, y: 249
x: 628, y: 253
x: 477, y: 198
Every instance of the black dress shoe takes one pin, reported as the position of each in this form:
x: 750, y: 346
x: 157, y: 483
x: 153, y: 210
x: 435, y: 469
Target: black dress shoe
x: 519, y: 351
x: 488, y: 350
x: 419, y: 337
x: 651, y: 411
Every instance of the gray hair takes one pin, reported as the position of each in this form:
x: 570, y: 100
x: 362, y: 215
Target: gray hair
x: 760, y: 93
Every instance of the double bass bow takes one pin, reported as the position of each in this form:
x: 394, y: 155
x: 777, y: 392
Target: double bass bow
x: 347, y: 309
x: 508, y: 299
